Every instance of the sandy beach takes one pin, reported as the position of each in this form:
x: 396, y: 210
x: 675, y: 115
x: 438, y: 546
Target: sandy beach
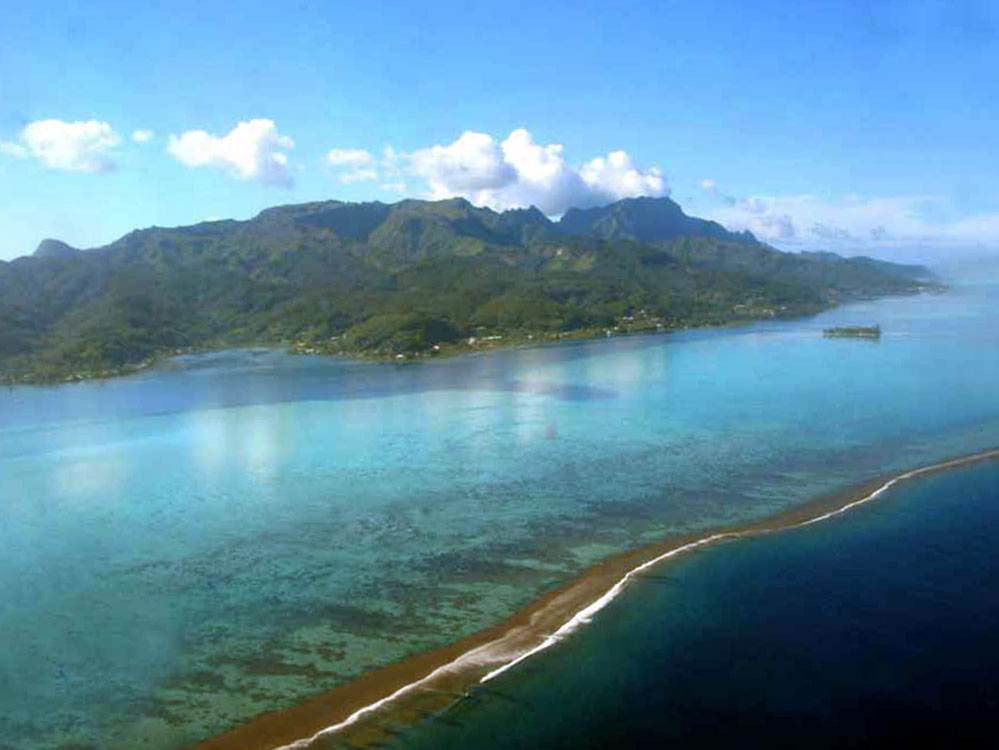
x: 368, y: 710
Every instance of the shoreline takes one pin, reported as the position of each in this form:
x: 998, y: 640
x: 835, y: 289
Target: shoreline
x: 426, y: 683
x: 159, y: 360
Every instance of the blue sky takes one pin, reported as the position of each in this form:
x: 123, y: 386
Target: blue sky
x: 816, y: 125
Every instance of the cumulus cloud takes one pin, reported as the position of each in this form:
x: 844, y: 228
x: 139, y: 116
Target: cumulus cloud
x: 350, y: 157
x: 143, y: 136
x: 84, y: 146
x: 352, y: 164
x: 472, y: 163
x: 617, y: 176
x: 529, y: 174
x: 513, y: 173
x: 519, y: 172
x: 253, y: 150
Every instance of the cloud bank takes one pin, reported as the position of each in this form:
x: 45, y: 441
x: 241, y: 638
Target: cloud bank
x: 516, y: 172
x: 253, y: 150
x: 85, y: 146
x: 854, y: 223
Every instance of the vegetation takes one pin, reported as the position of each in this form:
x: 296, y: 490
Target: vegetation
x: 415, y: 278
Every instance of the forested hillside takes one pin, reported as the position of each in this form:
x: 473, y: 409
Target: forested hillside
x: 409, y: 279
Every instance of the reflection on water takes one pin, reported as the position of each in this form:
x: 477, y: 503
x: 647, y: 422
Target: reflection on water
x: 186, y: 548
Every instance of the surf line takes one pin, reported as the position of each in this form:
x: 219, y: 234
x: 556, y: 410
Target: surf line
x: 474, y: 657
x: 585, y: 615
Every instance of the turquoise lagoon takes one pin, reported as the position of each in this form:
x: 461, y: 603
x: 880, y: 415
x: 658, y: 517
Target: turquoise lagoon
x: 235, y: 532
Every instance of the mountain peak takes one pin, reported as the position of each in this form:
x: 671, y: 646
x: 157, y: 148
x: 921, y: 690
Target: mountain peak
x: 645, y: 219
x: 531, y: 213
x: 50, y: 248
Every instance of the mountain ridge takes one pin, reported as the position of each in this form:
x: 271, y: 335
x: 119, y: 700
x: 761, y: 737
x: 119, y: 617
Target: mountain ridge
x: 627, y: 218
x: 51, y: 248
x: 403, y: 279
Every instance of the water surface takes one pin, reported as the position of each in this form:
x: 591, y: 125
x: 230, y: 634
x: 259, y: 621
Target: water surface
x: 184, y: 549
x: 878, y: 628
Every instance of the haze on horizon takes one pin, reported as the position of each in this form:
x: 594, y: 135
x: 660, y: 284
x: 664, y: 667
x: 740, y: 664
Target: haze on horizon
x: 857, y: 130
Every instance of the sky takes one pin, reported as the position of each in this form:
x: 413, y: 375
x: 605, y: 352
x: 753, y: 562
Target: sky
x: 855, y: 127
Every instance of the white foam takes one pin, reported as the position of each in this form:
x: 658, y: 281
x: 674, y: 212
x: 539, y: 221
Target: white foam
x: 482, y: 654
x: 475, y: 656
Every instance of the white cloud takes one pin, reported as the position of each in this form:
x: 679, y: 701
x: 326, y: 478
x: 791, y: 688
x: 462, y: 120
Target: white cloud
x: 472, y: 163
x: 772, y: 227
x: 13, y: 149
x: 513, y: 173
x: 517, y: 172
x: 68, y: 146
x: 539, y: 176
x: 616, y: 176
x: 858, y: 224
x: 352, y: 165
x: 253, y: 150
x: 143, y: 136
x: 358, y: 175
x: 981, y: 230
x: 349, y: 157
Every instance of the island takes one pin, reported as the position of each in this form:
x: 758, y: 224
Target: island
x: 406, y: 281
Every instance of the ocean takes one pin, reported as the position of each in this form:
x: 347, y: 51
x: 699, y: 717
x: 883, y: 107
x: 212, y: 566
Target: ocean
x: 878, y: 628
x: 183, y: 550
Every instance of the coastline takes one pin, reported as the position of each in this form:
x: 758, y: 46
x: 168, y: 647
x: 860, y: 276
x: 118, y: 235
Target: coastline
x: 519, y: 340
x: 162, y: 360
x: 366, y: 710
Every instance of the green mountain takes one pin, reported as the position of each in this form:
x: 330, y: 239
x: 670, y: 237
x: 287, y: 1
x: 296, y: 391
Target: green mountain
x: 645, y: 220
x: 408, y: 278
x: 54, y: 249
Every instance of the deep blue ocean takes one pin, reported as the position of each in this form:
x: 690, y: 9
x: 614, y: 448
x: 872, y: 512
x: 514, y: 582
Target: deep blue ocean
x: 235, y: 532
x: 879, y: 628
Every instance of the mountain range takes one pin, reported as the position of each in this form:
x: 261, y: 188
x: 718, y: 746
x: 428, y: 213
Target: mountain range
x: 404, y: 279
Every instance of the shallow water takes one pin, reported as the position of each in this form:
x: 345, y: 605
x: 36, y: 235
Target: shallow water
x: 184, y: 549
x: 878, y: 628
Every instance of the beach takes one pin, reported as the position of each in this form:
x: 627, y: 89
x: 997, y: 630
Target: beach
x: 366, y: 711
